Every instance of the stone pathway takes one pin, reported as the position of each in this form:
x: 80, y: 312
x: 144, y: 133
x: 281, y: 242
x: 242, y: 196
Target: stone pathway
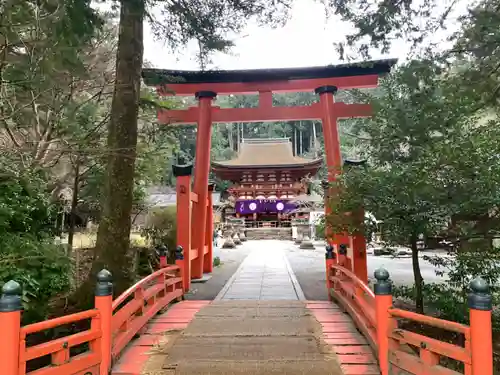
x: 264, y: 275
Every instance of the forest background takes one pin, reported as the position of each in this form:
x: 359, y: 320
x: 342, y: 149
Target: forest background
x: 78, y: 134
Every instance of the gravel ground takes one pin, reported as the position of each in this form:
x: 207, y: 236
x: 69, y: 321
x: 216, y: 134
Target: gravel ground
x: 309, y: 268
x: 230, y: 261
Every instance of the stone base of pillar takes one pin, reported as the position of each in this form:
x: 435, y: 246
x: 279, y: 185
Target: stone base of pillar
x: 306, y: 243
x: 236, y: 240
x: 228, y: 243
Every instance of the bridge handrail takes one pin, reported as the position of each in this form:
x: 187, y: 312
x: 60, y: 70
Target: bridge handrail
x: 59, y: 349
x: 113, y: 324
x: 430, y: 320
x: 355, y: 296
x: 149, y: 296
x: 141, y: 283
x: 393, y: 345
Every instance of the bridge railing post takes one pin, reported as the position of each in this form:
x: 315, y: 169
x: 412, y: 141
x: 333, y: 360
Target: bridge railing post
x: 330, y: 260
x: 104, y: 303
x: 162, y: 252
x: 183, y: 189
x: 10, y: 325
x: 480, y: 305
x: 383, y: 302
x: 344, y: 260
x: 179, y: 261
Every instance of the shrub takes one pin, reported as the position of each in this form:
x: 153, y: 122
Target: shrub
x: 40, y: 266
x: 217, y: 262
x: 161, y: 229
x: 28, y: 253
x: 448, y: 299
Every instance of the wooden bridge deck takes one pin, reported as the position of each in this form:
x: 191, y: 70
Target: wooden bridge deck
x: 249, y: 337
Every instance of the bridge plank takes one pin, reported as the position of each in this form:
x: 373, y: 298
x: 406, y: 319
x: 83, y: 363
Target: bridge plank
x: 352, y: 349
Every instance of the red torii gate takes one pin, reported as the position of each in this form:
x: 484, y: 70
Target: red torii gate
x: 206, y: 85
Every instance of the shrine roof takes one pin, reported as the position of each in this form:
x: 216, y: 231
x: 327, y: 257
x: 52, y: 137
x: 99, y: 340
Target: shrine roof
x: 153, y: 76
x: 266, y: 153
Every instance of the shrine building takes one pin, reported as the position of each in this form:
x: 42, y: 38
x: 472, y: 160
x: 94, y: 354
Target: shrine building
x: 266, y: 177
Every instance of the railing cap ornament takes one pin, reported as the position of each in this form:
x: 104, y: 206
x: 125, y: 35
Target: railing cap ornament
x: 343, y: 249
x: 383, y: 286
x: 480, y: 296
x: 205, y: 94
x: 11, y: 297
x: 162, y: 250
x: 326, y: 89
x: 182, y: 170
x: 179, y: 253
x: 329, y: 252
x: 104, y: 286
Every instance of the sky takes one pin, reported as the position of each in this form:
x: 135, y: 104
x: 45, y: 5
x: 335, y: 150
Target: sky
x: 306, y: 40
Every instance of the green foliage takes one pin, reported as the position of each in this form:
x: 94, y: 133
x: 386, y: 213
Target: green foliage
x: 432, y: 171
x: 320, y: 228
x: 472, y: 33
x: 24, y: 204
x: 40, y: 266
x: 449, y: 298
x: 161, y: 229
x: 217, y: 262
x: 27, y: 250
x: 432, y: 159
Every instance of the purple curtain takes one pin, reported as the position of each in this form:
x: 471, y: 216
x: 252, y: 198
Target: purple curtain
x: 251, y: 206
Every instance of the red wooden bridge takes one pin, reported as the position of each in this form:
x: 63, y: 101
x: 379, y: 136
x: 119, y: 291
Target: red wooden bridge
x: 150, y: 329
x: 357, y: 332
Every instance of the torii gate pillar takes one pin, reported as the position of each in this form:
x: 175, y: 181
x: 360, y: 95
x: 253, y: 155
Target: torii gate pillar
x: 332, y: 150
x: 201, y: 173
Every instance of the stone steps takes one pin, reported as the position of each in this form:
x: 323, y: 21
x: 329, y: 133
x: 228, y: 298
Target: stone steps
x: 284, y: 234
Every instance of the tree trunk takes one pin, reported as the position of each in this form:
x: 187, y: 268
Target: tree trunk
x: 417, y: 275
x: 113, y: 237
x: 74, y: 204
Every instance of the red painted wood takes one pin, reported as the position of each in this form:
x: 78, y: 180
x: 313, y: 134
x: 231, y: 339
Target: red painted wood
x: 360, y: 370
x: 352, y: 349
x: 131, y: 361
x: 172, y: 319
x: 365, y: 359
x: 343, y: 335
x: 345, y: 341
x: 136, y: 354
x: 333, y: 317
x: 165, y: 327
x: 354, y: 354
x: 343, y: 327
x: 202, y: 170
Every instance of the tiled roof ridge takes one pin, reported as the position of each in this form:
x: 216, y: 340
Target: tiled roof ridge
x: 266, y: 152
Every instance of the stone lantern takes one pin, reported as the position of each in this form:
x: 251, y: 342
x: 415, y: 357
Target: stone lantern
x: 227, y: 234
